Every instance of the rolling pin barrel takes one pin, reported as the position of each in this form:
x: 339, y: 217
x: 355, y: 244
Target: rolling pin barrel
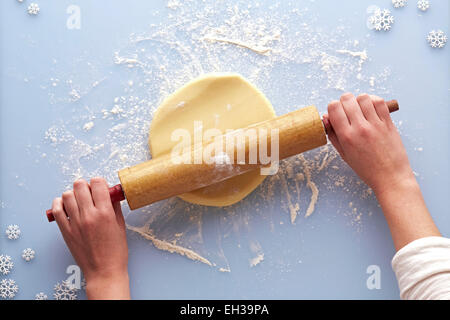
x: 161, y: 178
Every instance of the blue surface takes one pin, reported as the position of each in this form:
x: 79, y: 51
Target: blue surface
x: 323, y: 256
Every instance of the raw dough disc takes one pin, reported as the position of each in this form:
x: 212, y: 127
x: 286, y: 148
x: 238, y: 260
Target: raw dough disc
x: 222, y: 101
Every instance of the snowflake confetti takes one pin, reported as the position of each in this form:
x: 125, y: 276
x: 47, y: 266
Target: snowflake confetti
x: 423, y: 5
x: 64, y: 291
x: 33, y: 9
x: 437, y: 39
x: 399, y: 3
x: 381, y: 20
x: 6, y: 264
x: 8, y: 289
x: 40, y: 296
x: 13, y: 232
x: 28, y: 254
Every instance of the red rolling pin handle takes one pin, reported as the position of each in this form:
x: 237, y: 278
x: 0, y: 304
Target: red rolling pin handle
x: 116, y: 193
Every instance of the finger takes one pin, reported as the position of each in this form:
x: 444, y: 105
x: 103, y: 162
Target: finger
x: 381, y: 108
x: 60, y: 215
x: 83, y: 195
x: 100, y: 193
x: 71, y: 206
x: 332, y: 135
x: 326, y: 123
x: 119, y: 216
x: 352, y: 108
x: 337, y: 117
x: 367, y: 107
x: 335, y: 142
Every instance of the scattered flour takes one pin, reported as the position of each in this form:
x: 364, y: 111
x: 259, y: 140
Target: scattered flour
x: 362, y: 55
x: 88, y: 126
x: 255, y: 248
x: 260, y: 50
x: 166, y: 246
x: 257, y: 260
x: 181, y: 104
x: 173, y: 4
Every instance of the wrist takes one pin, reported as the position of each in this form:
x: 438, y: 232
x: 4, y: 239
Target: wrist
x: 406, y: 213
x: 394, y: 182
x: 394, y: 188
x: 108, y: 286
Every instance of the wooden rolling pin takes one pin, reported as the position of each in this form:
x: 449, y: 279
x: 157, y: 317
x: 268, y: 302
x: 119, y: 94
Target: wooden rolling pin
x: 162, y: 178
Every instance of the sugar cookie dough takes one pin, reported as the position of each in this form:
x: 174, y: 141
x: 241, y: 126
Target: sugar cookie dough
x: 221, y: 101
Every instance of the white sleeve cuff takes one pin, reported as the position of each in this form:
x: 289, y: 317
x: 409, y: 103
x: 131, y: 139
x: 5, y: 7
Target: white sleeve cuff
x: 423, y: 269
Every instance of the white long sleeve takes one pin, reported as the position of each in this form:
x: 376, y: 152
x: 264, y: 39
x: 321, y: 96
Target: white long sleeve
x: 423, y: 269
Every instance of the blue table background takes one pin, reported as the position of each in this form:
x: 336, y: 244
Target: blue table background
x: 323, y: 256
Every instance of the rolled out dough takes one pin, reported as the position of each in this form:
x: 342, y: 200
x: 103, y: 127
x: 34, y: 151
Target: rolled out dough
x: 220, y: 101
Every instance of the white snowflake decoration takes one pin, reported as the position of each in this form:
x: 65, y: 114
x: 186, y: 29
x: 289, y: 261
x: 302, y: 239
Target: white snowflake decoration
x: 40, y: 296
x: 64, y: 291
x: 8, y: 289
x: 6, y: 264
x: 399, y: 3
x: 13, y: 232
x: 423, y: 5
x: 437, y: 39
x: 33, y: 9
x: 28, y: 254
x: 381, y: 20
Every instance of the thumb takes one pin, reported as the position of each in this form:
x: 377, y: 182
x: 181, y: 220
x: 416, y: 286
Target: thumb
x: 332, y: 136
x: 119, y: 216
